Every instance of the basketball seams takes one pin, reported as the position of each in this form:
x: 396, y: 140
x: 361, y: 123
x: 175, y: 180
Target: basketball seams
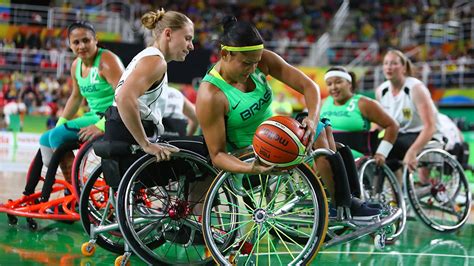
x: 278, y: 148
x: 293, y: 136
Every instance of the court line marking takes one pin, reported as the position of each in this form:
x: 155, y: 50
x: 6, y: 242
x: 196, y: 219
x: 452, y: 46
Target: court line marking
x: 395, y: 253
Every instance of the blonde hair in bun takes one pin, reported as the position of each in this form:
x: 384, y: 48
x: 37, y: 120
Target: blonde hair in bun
x: 158, y: 20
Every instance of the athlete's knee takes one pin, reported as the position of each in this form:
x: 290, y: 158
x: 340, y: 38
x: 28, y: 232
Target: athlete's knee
x: 56, y: 138
x: 46, y: 154
x: 44, y: 139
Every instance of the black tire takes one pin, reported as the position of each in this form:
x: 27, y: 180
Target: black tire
x: 444, y: 202
x: 94, y: 196
x: 162, y: 194
x: 380, y: 185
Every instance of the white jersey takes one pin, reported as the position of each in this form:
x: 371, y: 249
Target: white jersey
x: 171, y: 103
x: 450, y: 131
x: 148, y: 102
x: 402, y: 108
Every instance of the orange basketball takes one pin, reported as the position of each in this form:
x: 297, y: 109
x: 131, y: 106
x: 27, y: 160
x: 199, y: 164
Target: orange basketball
x: 277, y: 141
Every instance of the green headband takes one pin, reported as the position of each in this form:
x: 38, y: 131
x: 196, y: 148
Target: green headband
x: 242, y: 48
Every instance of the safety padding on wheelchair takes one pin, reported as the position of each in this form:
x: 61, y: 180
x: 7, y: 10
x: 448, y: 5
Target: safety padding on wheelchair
x: 111, y: 170
x: 461, y: 151
x: 351, y: 170
x: 107, y: 149
x: 343, y: 193
x: 160, y: 173
x: 113, y: 153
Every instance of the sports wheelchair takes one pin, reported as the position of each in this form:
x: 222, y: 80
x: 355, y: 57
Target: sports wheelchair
x: 57, y: 197
x: 282, y: 214
x: 156, y: 211
x: 246, y: 218
x: 438, y: 189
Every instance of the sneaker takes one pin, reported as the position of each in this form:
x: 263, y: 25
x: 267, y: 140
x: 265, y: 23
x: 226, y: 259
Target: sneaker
x: 361, y: 211
x: 332, y: 212
x: 374, y: 205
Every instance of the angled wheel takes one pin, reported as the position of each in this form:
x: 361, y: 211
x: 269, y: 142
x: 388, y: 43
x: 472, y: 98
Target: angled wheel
x: 439, y: 191
x: 251, y: 219
x: 84, y: 163
x: 97, y: 208
x: 380, y: 186
x: 160, y: 203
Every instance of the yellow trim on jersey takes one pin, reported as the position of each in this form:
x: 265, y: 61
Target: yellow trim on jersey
x: 216, y: 74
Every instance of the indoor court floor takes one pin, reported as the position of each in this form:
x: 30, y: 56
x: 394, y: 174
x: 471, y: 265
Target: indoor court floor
x: 56, y: 243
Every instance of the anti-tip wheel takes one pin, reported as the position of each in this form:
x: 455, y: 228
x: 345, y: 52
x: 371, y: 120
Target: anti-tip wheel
x: 32, y: 224
x: 88, y: 249
x: 119, y: 261
x: 379, y: 241
x: 12, y: 219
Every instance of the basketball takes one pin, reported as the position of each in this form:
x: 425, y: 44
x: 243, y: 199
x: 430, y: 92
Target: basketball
x: 277, y: 141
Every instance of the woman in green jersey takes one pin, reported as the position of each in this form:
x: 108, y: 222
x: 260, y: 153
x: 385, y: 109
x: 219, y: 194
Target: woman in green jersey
x: 95, y: 73
x: 234, y: 98
x: 352, y: 112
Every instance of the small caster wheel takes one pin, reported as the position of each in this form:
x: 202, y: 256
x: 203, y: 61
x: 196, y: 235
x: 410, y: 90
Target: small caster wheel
x: 232, y: 259
x: 379, y: 241
x: 87, y: 262
x: 390, y: 230
x: 207, y: 252
x: 119, y: 261
x: 88, y: 249
x: 12, y: 219
x: 32, y: 224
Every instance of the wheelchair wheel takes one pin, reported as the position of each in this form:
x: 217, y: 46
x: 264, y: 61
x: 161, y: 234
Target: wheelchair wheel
x: 439, y: 191
x: 84, y: 163
x: 380, y: 185
x: 159, y: 203
x: 285, y: 221
x: 96, y: 208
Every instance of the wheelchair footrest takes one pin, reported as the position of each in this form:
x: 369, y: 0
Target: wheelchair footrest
x: 362, y: 228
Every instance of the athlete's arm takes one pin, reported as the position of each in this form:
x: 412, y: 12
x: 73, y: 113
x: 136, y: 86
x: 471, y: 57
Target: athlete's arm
x: 111, y: 68
x: 372, y: 110
x: 189, y: 110
x: 147, y: 71
x: 211, y: 107
x: 75, y: 99
x: 425, y: 107
x: 275, y: 66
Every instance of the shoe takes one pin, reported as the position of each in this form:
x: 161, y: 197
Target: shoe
x: 374, y: 205
x: 332, y: 212
x: 361, y: 211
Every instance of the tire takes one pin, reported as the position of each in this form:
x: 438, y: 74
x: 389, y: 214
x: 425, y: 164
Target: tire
x: 82, y: 167
x: 439, y: 191
x: 94, y: 204
x: 293, y: 205
x: 155, y: 210
x: 380, y: 185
